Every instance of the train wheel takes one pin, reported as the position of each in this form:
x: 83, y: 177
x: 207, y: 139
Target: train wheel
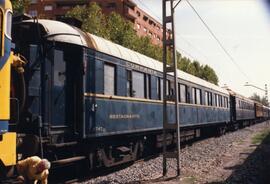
x: 6, y: 172
x: 221, y: 130
x: 27, y: 146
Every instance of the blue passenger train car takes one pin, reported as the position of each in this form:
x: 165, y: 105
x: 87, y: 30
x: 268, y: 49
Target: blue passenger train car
x: 121, y: 90
x: 124, y: 92
x: 104, y: 99
x: 242, y: 108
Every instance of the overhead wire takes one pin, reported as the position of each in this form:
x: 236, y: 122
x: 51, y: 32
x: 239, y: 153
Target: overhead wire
x: 186, y: 53
x: 179, y: 35
x: 217, y: 40
x: 209, y: 30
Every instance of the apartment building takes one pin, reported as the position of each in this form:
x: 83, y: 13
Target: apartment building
x: 144, y: 24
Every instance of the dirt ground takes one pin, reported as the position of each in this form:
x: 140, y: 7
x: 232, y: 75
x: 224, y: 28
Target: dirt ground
x: 239, y: 157
x: 247, y: 162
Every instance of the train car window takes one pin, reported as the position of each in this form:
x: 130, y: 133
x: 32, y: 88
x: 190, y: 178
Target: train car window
x: 193, y: 95
x: 168, y: 87
x: 220, y: 101
x: 213, y: 100
x: 241, y: 104
x: 188, y: 95
x: 217, y: 102
x: 161, y: 88
x: 149, y: 87
x: 109, y: 79
x: 147, y: 81
x: 129, y: 83
x: 198, y: 96
x: 206, y: 97
x: 138, y: 84
x: 210, y: 100
x: 58, y: 89
x: 183, y: 93
x: 158, y: 88
x: 179, y: 92
x: 8, y: 23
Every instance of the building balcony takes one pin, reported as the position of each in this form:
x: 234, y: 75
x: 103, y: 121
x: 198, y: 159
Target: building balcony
x: 71, y: 2
x: 130, y: 13
x: 130, y: 3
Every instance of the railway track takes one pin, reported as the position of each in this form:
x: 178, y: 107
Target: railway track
x: 102, y: 172
x: 76, y: 174
x: 201, y: 161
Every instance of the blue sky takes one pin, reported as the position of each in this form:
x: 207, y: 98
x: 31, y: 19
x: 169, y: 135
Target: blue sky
x: 243, y: 27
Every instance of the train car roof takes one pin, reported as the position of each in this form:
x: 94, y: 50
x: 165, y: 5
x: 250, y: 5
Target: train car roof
x: 233, y: 93
x: 62, y: 32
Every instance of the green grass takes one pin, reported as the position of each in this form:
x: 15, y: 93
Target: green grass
x: 260, y: 137
x: 189, y: 180
x: 240, y: 142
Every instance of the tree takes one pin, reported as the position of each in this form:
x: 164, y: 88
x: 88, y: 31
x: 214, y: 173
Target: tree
x: 183, y: 64
x: 264, y: 101
x: 195, y: 68
x: 19, y: 6
x: 257, y: 98
x: 115, y: 28
x: 198, y: 68
x: 209, y: 74
x: 121, y: 32
x: 92, y: 18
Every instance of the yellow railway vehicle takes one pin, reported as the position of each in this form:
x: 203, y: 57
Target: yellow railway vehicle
x: 7, y: 139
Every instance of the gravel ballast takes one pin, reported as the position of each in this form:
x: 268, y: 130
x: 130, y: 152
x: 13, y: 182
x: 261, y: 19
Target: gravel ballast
x: 222, y: 159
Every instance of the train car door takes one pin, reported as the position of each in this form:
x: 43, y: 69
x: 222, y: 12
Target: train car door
x: 58, y: 102
x: 233, y: 108
x: 74, y: 88
x: 67, y: 89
